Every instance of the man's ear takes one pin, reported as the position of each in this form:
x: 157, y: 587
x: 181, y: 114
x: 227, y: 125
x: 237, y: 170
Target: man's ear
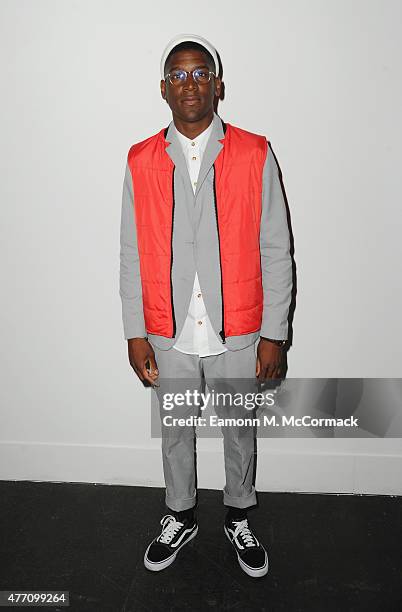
x: 163, y: 87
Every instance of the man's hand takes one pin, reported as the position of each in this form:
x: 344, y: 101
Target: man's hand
x: 269, y: 360
x: 142, y: 359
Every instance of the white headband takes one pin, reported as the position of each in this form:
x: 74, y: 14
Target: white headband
x: 193, y: 38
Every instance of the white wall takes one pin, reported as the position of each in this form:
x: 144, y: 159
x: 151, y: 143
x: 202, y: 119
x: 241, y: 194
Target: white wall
x: 321, y: 79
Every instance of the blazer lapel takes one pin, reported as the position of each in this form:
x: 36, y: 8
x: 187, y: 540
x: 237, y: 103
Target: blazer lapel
x: 211, y: 152
x: 175, y: 152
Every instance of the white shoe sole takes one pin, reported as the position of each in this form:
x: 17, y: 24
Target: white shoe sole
x: 254, y: 573
x: 161, y: 565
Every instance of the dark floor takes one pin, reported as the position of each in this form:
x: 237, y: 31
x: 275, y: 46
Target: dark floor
x: 327, y: 552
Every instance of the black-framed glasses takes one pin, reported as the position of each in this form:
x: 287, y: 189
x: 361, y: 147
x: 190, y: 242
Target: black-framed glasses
x: 200, y: 75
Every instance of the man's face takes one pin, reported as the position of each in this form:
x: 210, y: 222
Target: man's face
x: 190, y: 101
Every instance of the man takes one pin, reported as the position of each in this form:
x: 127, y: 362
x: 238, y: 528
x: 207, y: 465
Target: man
x: 205, y: 280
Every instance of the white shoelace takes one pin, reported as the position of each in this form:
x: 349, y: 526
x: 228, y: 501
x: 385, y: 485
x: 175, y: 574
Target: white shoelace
x: 170, y: 527
x: 243, y: 530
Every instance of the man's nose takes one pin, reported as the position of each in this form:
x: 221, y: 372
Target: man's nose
x: 190, y: 82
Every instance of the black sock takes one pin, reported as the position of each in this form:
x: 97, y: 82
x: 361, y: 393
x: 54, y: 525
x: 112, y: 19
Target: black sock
x: 183, y: 515
x: 236, y: 514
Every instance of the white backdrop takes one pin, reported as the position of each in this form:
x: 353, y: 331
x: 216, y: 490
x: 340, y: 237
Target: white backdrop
x: 80, y: 84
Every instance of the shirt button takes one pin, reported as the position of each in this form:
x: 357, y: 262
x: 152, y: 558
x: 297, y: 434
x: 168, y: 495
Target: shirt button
x: 195, y: 183
x: 193, y: 144
x: 198, y: 294
x: 194, y: 158
x: 199, y: 322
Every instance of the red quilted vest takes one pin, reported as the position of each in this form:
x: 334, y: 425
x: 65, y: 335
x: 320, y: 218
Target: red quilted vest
x: 238, y: 198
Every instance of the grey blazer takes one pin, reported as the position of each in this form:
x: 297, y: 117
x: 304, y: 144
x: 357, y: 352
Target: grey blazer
x: 196, y: 248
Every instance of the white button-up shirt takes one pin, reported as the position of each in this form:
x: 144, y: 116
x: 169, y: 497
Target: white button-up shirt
x: 197, y: 336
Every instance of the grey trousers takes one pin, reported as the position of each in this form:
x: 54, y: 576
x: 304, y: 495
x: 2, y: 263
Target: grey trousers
x: 178, y: 445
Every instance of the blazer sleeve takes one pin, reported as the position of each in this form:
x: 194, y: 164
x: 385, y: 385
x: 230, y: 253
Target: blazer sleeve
x: 276, y: 261
x: 130, y: 278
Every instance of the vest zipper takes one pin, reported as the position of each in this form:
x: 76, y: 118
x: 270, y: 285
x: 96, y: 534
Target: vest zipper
x: 222, y: 332
x: 171, y: 257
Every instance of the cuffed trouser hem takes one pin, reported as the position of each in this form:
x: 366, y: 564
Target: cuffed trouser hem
x: 240, y: 502
x: 180, y: 504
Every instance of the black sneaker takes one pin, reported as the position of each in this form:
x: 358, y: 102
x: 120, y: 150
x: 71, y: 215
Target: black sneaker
x: 162, y: 550
x: 252, y: 556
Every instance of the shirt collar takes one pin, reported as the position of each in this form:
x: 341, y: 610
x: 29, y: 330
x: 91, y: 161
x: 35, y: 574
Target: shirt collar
x: 200, y: 140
